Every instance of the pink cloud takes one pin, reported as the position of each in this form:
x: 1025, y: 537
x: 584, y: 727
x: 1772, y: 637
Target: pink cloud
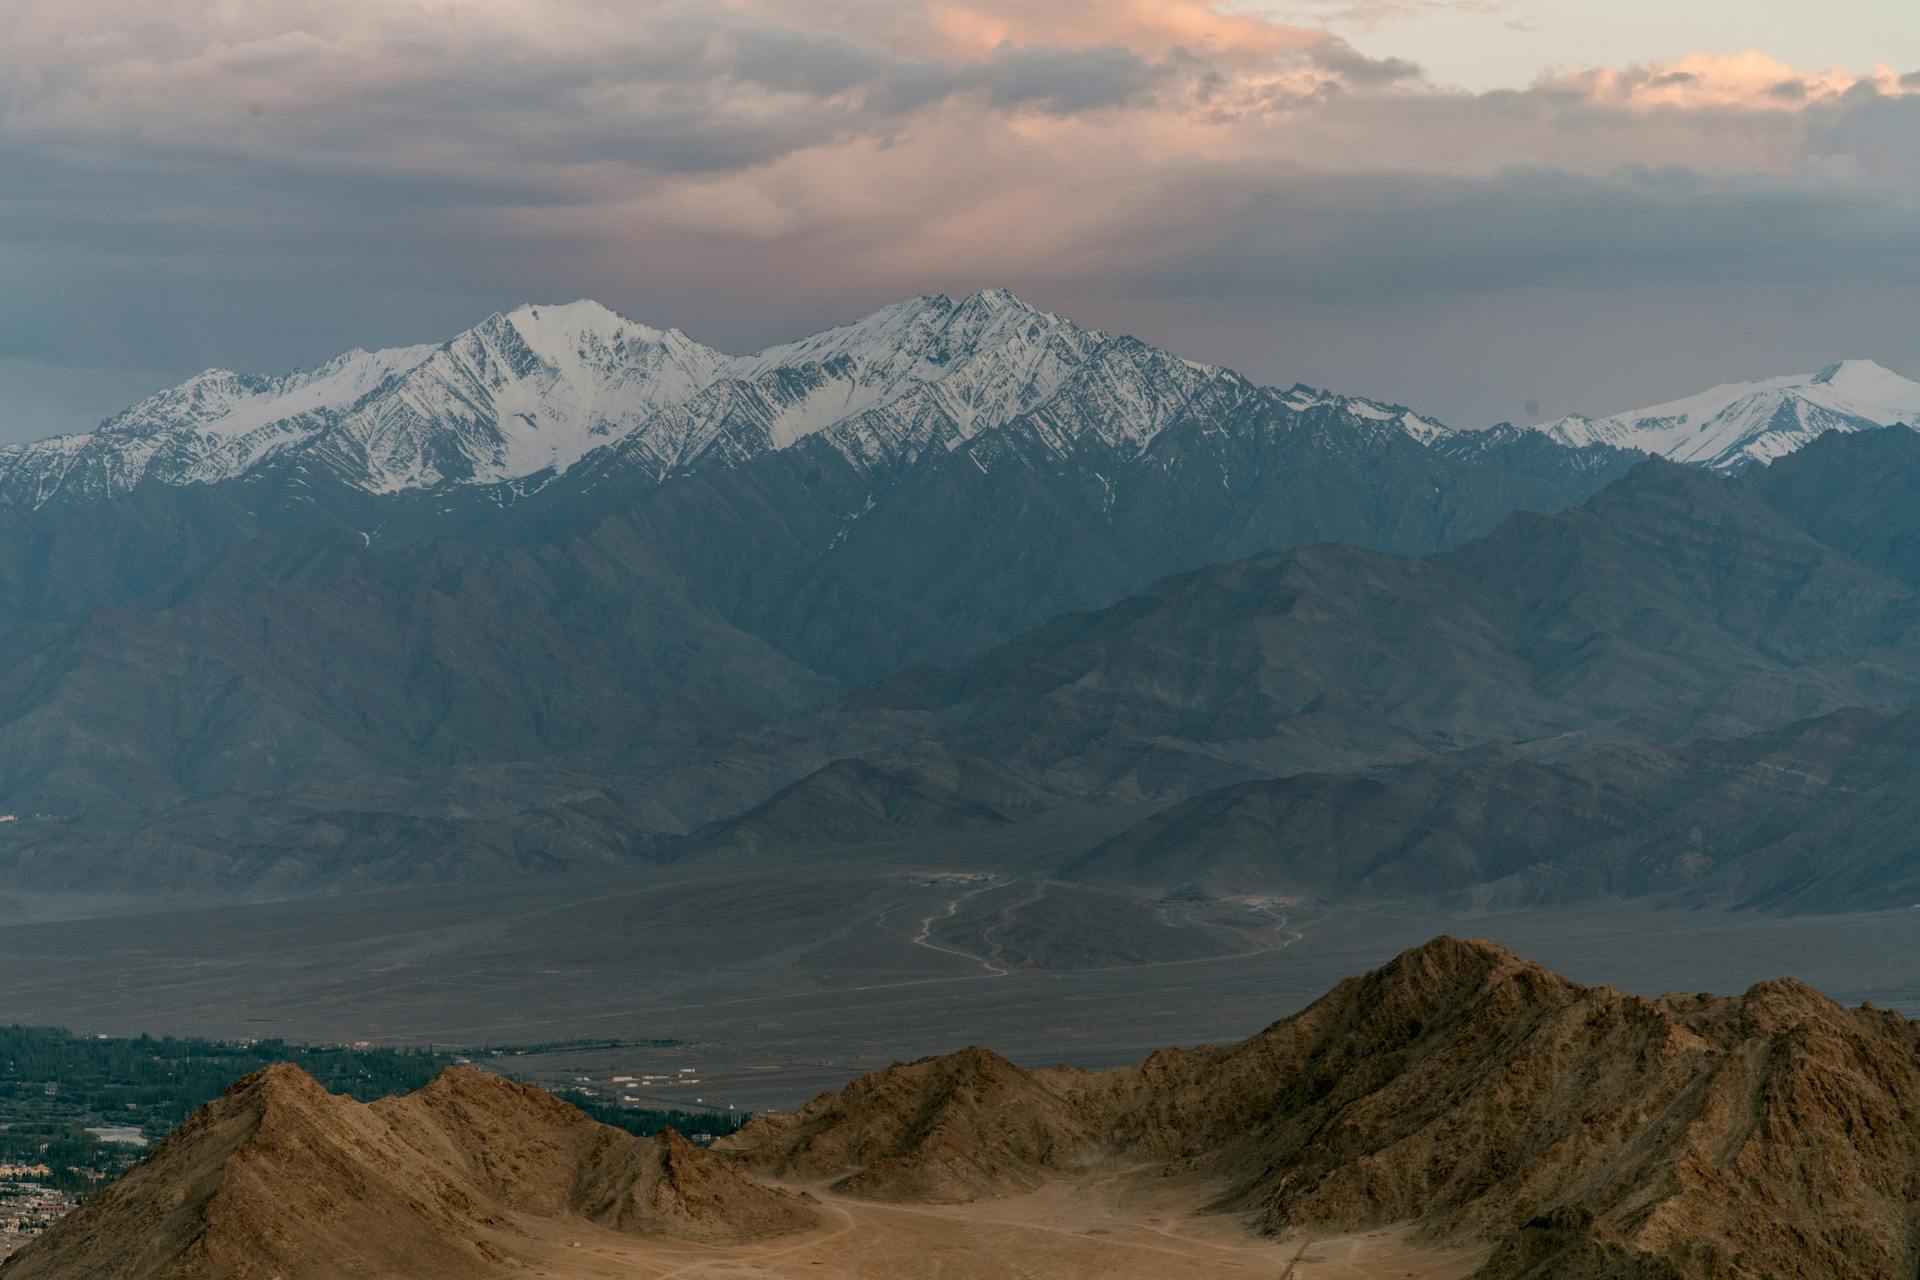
x: 1147, y: 26
x: 1748, y: 80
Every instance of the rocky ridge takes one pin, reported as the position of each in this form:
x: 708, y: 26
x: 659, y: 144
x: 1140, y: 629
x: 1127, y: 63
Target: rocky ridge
x: 1557, y: 1129
x: 1575, y: 1131
x: 458, y: 1180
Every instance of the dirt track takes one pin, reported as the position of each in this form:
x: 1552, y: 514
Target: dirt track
x: 1102, y: 1227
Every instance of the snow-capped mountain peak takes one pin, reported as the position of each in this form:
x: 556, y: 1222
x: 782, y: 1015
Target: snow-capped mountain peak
x: 926, y: 373
x: 523, y: 392
x: 529, y: 393
x: 1869, y: 382
x: 215, y: 425
x: 1736, y: 424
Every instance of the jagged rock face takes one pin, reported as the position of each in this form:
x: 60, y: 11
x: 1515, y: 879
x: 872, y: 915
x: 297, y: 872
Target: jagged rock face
x: 281, y: 1178
x: 1577, y: 1131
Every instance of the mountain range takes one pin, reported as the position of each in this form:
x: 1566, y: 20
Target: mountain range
x: 526, y: 395
x: 1508, y: 1123
x: 530, y: 393
x: 572, y: 592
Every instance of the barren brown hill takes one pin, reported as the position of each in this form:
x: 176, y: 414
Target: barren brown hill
x: 281, y: 1178
x: 1577, y: 1131
x: 958, y: 1127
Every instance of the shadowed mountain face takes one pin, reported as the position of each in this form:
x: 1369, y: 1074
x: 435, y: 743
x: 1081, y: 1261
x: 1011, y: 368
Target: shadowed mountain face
x: 1817, y: 816
x: 226, y: 660
x: 569, y: 591
x: 853, y: 802
x: 1673, y: 606
x: 1574, y: 1131
x: 285, y: 627
x: 302, y: 709
x: 461, y: 1179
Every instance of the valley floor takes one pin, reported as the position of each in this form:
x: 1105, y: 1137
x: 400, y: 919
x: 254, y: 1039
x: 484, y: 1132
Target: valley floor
x: 1101, y: 1227
x: 774, y: 981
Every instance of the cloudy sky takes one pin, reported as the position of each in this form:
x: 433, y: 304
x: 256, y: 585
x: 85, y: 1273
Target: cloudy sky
x: 1486, y: 209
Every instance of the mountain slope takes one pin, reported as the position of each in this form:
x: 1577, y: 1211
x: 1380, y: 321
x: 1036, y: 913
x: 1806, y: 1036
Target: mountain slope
x: 1676, y: 605
x: 1814, y: 817
x: 281, y: 1178
x: 669, y: 657
x: 855, y: 802
x: 286, y: 628
x: 858, y: 574
x: 298, y: 659
x: 525, y: 392
x: 1735, y: 425
x: 1576, y: 1131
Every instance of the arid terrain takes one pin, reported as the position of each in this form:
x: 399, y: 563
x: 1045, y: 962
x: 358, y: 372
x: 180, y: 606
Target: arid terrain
x: 1459, y: 1111
x: 1123, y: 1226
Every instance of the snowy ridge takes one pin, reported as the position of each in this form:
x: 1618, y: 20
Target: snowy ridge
x: 529, y: 394
x: 529, y: 391
x: 1738, y: 424
x: 1301, y: 399
x: 924, y: 374
x: 213, y: 426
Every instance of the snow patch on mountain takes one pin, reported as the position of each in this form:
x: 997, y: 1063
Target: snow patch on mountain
x: 1736, y: 424
x: 214, y: 425
x: 1301, y: 399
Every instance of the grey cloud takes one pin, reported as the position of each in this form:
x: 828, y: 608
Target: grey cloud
x: 1383, y: 238
x: 802, y: 62
x: 1049, y: 79
x: 1063, y: 81
x: 1880, y: 134
x: 1343, y: 60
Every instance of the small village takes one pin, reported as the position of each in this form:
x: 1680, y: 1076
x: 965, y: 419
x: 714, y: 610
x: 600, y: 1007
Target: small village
x: 27, y: 1205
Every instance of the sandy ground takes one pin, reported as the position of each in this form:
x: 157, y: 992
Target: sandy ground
x: 1104, y: 1227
